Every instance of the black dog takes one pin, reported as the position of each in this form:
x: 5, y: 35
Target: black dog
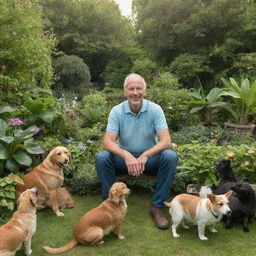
x: 242, y: 205
x: 227, y: 176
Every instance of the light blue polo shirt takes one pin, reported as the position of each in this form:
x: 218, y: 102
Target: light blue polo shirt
x: 137, y: 133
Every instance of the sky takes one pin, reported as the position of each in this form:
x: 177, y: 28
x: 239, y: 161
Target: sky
x: 125, y: 6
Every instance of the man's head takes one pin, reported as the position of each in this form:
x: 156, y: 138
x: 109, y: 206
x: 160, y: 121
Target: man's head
x: 135, y: 90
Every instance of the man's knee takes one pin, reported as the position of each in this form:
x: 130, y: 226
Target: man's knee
x: 102, y: 157
x: 169, y: 156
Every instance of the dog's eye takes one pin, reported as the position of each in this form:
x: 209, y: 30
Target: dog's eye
x: 58, y: 153
x: 220, y: 204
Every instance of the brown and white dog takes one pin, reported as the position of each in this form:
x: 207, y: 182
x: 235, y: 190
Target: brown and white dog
x: 202, y: 211
x: 20, y: 228
x: 47, y: 177
x: 100, y: 221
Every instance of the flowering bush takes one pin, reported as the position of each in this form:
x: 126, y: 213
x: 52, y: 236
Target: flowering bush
x: 198, y: 160
x: 15, y: 144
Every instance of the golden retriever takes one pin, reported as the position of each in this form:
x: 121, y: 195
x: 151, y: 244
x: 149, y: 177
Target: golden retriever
x: 100, y: 221
x: 20, y: 228
x: 47, y: 177
x: 64, y: 199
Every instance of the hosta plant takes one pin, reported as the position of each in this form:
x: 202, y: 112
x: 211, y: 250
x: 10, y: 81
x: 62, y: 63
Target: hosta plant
x: 16, y: 144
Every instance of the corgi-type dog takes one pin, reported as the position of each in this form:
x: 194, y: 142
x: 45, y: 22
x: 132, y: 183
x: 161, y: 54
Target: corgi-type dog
x: 201, y: 211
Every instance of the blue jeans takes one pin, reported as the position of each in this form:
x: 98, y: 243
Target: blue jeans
x: 163, y: 165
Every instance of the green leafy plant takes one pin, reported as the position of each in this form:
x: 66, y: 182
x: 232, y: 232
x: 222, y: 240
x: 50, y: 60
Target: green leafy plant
x: 198, y: 159
x: 243, y: 97
x: 7, y: 195
x: 16, y: 145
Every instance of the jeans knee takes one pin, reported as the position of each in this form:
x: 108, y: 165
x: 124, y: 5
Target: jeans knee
x: 102, y: 157
x: 169, y: 156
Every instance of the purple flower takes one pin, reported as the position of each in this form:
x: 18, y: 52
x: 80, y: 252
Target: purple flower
x: 37, y: 129
x: 15, y: 122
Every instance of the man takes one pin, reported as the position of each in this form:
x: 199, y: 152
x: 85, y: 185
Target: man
x: 137, y: 142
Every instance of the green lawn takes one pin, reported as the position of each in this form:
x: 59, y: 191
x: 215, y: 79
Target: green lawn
x: 141, y: 237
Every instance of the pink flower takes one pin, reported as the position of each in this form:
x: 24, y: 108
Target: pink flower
x: 15, y: 122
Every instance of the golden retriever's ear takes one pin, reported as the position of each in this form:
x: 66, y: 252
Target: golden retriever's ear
x: 114, y: 196
x: 33, y: 199
x: 52, y: 157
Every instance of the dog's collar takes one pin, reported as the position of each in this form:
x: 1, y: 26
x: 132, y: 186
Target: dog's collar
x: 215, y: 215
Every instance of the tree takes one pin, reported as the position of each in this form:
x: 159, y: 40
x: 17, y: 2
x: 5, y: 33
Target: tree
x: 217, y: 31
x: 94, y: 30
x: 25, y: 48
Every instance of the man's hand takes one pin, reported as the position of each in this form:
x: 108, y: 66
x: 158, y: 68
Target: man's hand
x: 132, y: 165
x: 142, y: 159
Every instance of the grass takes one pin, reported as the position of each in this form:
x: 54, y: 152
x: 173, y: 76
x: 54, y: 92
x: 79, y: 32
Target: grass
x: 141, y: 236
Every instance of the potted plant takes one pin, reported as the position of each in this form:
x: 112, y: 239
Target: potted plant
x: 242, y: 104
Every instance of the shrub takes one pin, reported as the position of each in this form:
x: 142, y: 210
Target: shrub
x: 7, y: 195
x: 116, y: 71
x: 174, y: 105
x: 191, y: 134
x: 146, y: 68
x: 198, y: 159
x: 73, y: 73
x: 166, y: 80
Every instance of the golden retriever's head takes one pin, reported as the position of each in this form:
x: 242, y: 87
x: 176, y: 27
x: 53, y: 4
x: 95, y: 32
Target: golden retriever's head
x: 28, y: 199
x: 118, y: 191
x: 59, y: 156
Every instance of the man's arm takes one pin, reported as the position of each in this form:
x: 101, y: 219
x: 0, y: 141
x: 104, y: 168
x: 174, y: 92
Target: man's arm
x: 109, y: 143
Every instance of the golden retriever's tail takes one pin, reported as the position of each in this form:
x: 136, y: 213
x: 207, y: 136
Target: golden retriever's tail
x: 64, y: 248
x: 168, y: 204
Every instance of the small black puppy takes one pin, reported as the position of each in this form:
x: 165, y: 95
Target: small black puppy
x: 226, y: 174
x: 242, y: 204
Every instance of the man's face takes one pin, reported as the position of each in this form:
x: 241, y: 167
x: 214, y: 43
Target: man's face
x: 135, y: 92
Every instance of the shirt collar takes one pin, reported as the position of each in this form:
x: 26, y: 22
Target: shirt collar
x: 143, y: 107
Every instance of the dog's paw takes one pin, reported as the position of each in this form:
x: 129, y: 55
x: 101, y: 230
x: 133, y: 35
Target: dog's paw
x: 60, y: 214
x: 203, y: 238
x: 29, y: 252
x: 120, y: 237
x: 245, y: 229
x: 213, y: 230
x: 176, y: 235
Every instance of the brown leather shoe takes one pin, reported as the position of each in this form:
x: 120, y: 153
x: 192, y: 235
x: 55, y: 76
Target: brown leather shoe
x: 159, y: 217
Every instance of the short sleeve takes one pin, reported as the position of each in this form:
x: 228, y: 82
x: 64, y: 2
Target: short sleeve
x: 160, y: 120
x: 113, y: 122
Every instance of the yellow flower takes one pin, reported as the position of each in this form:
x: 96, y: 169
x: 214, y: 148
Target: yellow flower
x: 245, y: 164
x: 174, y: 145
x: 230, y: 154
x: 250, y: 151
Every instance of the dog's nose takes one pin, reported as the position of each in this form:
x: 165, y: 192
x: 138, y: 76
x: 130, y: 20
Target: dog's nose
x: 229, y: 212
x: 65, y: 161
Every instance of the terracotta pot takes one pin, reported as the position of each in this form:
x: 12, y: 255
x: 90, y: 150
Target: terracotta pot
x: 240, y: 128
